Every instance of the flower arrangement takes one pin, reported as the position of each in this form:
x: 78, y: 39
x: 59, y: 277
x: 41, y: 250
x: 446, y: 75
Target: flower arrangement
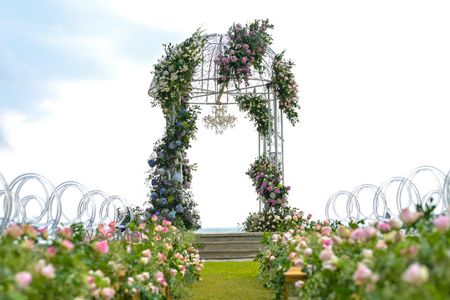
x: 245, y: 49
x: 267, y: 180
x: 285, y: 87
x: 268, y: 183
x: 257, y: 110
x: 75, y: 264
x: 170, y: 176
x: 271, y: 220
x: 398, y: 259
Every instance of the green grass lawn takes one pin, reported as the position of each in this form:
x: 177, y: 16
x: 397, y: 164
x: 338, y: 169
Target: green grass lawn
x: 229, y: 281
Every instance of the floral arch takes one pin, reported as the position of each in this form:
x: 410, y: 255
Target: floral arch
x: 217, y: 70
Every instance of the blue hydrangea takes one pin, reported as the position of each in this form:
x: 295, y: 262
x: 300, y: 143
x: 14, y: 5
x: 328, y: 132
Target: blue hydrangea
x: 172, y: 145
x: 177, y: 177
x: 154, y: 181
x: 172, y: 214
x: 151, y: 163
x: 154, y: 196
x: 179, y: 208
x: 179, y: 124
x: 163, y: 201
x: 178, y: 143
x: 162, y: 191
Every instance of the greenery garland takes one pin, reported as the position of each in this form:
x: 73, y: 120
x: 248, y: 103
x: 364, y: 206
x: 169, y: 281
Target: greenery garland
x: 257, y: 111
x: 285, y: 87
x: 170, y: 176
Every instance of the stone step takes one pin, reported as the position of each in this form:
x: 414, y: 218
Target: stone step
x: 231, y: 237
x: 229, y: 246
x: 224, y: 246
x: 229, y: 254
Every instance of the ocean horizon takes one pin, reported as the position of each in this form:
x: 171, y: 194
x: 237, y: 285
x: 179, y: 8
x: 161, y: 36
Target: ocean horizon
x: 218, y: 230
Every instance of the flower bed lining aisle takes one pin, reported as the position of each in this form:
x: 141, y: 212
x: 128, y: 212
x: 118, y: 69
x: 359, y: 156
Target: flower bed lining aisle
x: 405, y: 258
x: 150, y: 260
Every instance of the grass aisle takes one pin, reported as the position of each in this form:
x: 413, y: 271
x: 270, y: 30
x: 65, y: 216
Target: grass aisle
x: 229, y: 281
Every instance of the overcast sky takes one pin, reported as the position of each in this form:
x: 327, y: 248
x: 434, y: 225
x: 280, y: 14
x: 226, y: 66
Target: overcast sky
x: 374, y: 89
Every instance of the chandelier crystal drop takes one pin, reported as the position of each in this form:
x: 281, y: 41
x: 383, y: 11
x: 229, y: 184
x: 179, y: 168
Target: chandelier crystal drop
x: 219, y: 120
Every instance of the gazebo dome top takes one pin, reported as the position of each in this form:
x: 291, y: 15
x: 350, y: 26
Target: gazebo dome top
x: 206, y: 88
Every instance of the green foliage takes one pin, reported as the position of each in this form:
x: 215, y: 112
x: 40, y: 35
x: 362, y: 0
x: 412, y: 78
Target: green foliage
x: 257, y: 111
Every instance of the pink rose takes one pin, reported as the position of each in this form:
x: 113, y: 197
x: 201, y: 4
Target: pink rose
x: 160, y: 278
x: 108, y: 293
x: 326, y: 254
x: 51, y: 251
x: 166, y: 223
x: 363, y: 234
x: 326, y: 242
x: 23, y: 279
x: 357, y: 234
x: 415, y: 274
x: 409, y: 217
x: 65, y: 232
x: 326, y: 230
x: 292, y: 255
x: 244, y: 59
x: 385, y: 227
x: 67, y: 244
x: 101, y: 247
x: 45, y: 270
x: 154, y: 218
x: 48, y: 271
x: 162, y: 257
x: 15, y: 231
x: 442, y: 223
x: 362, y: 274
x: 370, y: 232
x: 147, y: 253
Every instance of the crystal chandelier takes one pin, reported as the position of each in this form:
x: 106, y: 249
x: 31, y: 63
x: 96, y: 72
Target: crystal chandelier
x: 219, y: 120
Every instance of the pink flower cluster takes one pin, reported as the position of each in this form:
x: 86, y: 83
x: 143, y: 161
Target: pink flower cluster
x: 244, y: 50
x: 268, y: 183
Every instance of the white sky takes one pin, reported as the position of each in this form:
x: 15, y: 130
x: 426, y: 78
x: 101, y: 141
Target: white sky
x: 374, y: 89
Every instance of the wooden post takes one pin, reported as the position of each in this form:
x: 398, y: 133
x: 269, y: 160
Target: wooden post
x: 292, y: 275
x: 167, y: 293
